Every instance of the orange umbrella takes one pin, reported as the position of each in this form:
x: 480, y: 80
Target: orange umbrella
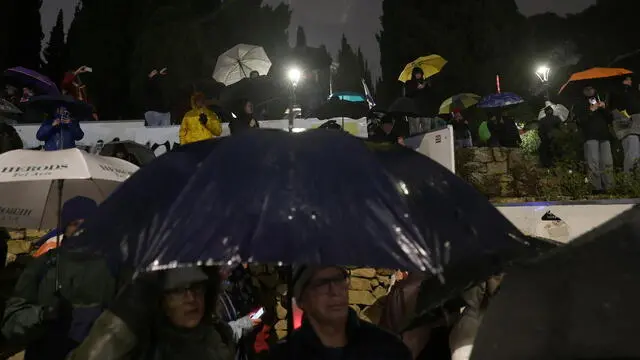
x: 596, y: 73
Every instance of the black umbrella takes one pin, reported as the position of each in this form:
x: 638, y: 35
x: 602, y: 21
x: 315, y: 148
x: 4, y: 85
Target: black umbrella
x: 579, y: 302
x: 405, y: 106
x: 336, y: 108
x: 49, y: 103
x: 140, y: 154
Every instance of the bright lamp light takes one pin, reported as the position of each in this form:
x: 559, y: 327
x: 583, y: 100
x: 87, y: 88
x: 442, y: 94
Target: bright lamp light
x: 543, y: 73
x: 294, y: 75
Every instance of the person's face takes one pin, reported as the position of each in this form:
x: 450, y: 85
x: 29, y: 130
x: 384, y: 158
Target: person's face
x: 418, y: 76
x: 326, y: 298
x: 457, y: 116
x: 589, y: 91
x: 185, y: 307
x: 73, y: 227
x: 248, y: 108
x: 387, y: 127
x: 628, y: 81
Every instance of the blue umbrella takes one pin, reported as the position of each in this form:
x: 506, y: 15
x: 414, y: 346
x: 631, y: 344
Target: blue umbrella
x: 33, y: 79
x: 499, y: 100
x: 316, y: 197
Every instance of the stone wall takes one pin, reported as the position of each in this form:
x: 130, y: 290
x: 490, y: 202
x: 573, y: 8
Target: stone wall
x: 499, y: 172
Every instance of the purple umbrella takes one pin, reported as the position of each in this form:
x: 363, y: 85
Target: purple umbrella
x: 33, y: 79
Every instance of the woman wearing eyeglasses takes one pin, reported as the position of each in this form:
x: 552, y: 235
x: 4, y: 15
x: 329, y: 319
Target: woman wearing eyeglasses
x: 60, y: 132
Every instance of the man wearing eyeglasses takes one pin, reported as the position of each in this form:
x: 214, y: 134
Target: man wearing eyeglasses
x: 330, y: 329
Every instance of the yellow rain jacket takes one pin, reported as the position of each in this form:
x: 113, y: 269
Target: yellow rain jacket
x: 192, y: 130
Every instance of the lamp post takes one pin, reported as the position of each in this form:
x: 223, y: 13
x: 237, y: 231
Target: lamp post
x: 543, y: 74
x: 294, y: 75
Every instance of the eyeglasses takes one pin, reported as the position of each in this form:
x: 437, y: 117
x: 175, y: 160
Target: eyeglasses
x: 195, y: 289
x: 323, y: 286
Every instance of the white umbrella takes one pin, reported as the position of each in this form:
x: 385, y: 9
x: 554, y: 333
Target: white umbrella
x: 239, y: 61
x: 559, y: 110
x: 30, y: 195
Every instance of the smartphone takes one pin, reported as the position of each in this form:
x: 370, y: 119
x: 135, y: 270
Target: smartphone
x: 258, y: 314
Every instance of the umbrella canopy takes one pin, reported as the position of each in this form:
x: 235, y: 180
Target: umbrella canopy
x: 143, y: 201
x: 430, y: 65
x: 458, y: 102
x: 500, y: 100
x: 30, y: 197
x: 559, y: 110
x: 336, y: 108
x: 594, y: 74
x: 576, y: 303
x: 140, y: 153
x: 395, y: 206
x: 238, y: 62
x: 49, y: 103
x: 404, y: 106
x: 21, y: 77
x: 348, y: 96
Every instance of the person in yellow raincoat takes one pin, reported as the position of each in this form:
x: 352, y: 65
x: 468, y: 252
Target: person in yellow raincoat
x: 199, y: 123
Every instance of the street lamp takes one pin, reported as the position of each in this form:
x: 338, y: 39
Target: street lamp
x: 294, y: 74
x: 543, y: 74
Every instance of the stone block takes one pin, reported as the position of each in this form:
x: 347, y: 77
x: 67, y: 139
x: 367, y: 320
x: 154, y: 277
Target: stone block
x: 379, y: 292
x: 356, y: 283
x: 515, y: 158
x: 355, y: 308
x: 497, y: 168
x: 385, y: 272
x: 500, y: 154
x: 474, y: 167
x: 384, y: 280
x: 18, y: 247
x: 281, y: 334
x: 375, y: 282
x: 281, y: 312
x: 281, y: 325
x: 367, y: 273
x: 361, y: 297
x: 482, y: 155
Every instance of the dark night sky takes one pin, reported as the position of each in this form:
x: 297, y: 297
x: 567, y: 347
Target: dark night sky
x: 326, y: 20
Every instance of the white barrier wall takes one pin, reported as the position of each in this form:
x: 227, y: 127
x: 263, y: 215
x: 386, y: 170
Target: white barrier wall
x: 438, y: 145
x: 135, y: 130
x: 576, y: 217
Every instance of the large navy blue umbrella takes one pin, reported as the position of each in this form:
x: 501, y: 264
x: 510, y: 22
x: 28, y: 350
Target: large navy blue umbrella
x: 315, y: 197
x: 127, y: 219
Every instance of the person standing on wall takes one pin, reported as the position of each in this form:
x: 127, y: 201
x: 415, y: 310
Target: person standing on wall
x: 199, y: 123
x: 626, y: 123
x: 156, y: 110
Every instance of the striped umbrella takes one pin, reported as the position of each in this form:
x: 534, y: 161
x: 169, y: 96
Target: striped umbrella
x: 500, y: 100
x: 458, y: 102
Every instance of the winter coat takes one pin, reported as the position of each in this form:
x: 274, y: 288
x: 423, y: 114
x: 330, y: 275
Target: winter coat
x: 242, y: 123
x: 365, y: 341
x: 153, y: 97
x: 87, y: 287
x: 112, y: 339
x: 594, y: 124
x: 192, y: 129
x: 61, y: 136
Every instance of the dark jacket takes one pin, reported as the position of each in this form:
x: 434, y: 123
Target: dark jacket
x: 242, y: 123
x: 547, y: 126
x: 153, y: 97
x: 594, y: 124
x: 63, y: 136
x: 87, y: 286
x: 112, y: 339
x: 627, y: 99
x: 365, y: 341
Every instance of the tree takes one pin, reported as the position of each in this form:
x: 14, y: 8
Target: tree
x: 21, y: 30
x: 56, y: 54
x: 352, y: 69
x: 482, y: 39
x: 301, y: 38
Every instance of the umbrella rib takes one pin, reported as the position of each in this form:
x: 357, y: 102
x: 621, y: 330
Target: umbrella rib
x: 44, y: 210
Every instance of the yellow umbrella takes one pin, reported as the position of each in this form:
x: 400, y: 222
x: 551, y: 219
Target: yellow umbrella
x: 430, y: 65
x: 458, y: 102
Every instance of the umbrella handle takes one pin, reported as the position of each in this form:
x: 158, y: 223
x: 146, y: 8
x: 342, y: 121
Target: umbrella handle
x: 58, y: 235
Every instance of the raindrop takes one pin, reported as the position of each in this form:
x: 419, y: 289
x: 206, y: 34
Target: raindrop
x: 313, y: 216
x: 225, y: 240
x: 472, y: 230
x: 290, y: 217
